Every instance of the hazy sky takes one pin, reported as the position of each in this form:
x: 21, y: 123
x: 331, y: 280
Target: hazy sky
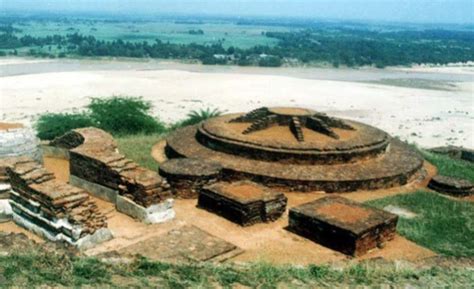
x: 433, y: 11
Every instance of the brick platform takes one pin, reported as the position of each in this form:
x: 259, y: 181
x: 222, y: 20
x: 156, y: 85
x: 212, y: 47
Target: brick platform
x: 187, y: 176
x: 245, y: 203
x: 343, y: 225
x: 451, y: 186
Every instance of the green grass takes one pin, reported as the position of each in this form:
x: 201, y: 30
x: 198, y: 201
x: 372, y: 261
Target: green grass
x: 450, y: 167
x: 28, y: 269
x: 443, y: 225
x: 138, y: 148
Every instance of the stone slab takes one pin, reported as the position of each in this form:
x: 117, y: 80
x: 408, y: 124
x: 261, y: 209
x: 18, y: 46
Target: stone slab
x: 185, y: 244
x: 158, y: 213
x: 99, y: 191
x: 343, y: 225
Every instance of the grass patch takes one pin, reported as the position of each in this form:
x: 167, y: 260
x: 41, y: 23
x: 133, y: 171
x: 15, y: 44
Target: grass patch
x: 450, y: 167
x: 138, y: 148
x: 31, y: 269
x: 443, y: 225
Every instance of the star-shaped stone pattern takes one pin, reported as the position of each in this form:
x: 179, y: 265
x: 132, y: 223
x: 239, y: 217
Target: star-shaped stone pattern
x: 295, y: 118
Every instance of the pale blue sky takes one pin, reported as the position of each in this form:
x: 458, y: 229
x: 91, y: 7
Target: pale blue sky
x: 431, y: 11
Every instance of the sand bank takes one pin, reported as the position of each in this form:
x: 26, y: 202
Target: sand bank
x: 425, y: 116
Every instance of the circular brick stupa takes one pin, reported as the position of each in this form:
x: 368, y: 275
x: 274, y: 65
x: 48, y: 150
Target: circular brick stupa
x: 297, y: 149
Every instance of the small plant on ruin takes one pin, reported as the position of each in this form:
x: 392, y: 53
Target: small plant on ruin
x: 51, y: 125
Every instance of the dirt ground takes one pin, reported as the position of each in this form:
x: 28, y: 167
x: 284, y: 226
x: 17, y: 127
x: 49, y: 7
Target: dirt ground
x: 261, y: 242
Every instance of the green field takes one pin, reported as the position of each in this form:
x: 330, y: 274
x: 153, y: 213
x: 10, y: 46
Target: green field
x: 228, y: 33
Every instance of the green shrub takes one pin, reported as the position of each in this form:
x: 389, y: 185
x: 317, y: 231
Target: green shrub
x: 51, y: 125
x: 196, y: 116
x: 124, y: 115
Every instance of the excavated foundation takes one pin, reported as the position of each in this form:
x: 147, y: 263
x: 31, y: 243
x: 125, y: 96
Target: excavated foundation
x: 293, y: 153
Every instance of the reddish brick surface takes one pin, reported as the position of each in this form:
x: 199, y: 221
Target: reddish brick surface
x: 245, y: 203
x: 343, y: 225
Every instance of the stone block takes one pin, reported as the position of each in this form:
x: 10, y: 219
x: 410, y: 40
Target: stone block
x: 157, y: 213
x: 343, y: 225
x: 243, y: 202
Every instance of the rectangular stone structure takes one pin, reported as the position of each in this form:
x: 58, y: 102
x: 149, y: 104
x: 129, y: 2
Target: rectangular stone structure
x: 343, y: 225
x: 244, y: 202
x: 186, y: 244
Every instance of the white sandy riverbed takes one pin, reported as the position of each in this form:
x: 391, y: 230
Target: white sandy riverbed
x: 427, y: 117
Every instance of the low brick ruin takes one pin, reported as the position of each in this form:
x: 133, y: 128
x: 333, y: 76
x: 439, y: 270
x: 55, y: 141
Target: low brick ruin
x: 343, y: 225
x: 186, y: 177
x: 244, y: 203
x: 51, y: 208
x: 455, y: 152
x: 297, y: 149
x: 451, y: 186
x: 290, y: 149
x: 98, y: 167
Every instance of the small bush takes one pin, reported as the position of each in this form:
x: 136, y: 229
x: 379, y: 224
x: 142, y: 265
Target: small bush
x: 116, y: 115
x: 124, y: 115
x: 51, y: 125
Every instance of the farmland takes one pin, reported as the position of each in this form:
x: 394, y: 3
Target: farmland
x: 244, y: 42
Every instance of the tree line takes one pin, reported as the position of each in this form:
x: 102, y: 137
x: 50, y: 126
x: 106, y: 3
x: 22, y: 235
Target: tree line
x: 347, y: 47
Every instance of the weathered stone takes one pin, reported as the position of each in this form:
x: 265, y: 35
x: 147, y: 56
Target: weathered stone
x: 451, y: 186
x: 184, y: 244
x: 245, y: 203
x: 157, y: 213
x: 97, y: 166
x: 187, y: 176
x: 5, y: 211
x: 401, y: 212
x: 343, y: 225
x: 49, y: 207
x: 306, y: 151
